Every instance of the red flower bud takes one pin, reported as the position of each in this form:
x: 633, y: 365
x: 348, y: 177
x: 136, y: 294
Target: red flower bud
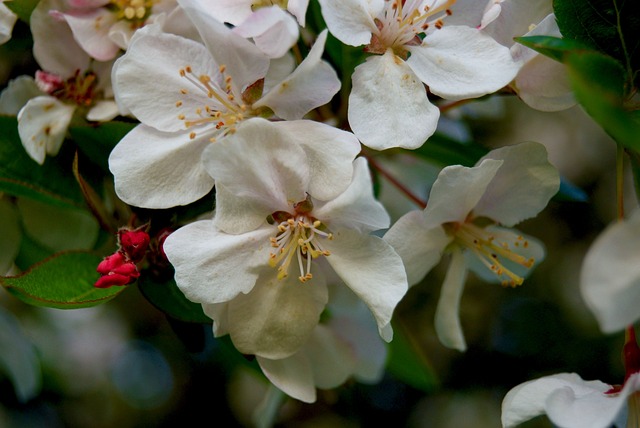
x: 134, y: 243
x: 116, y: 269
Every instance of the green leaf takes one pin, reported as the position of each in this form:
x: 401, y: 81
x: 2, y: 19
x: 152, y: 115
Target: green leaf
x: 168, y: 298
x: 553, y: 47
x: 598, y: 82
x: 20, y: 175
x: 96, y: 142
x: 63, y: 281
x: 446, y: 151
x: 608, y: 26
x: 22, y: 8
x: 408, y: 364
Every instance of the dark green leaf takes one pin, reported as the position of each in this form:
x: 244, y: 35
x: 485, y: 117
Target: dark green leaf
x: 553, y: 47
x: 22, y: 8
x: 598, y: 83
x: 20, y: 175
x: 169, y: 299
x: 408, y: 363
x: 64, y: 281
x: 445, y: 151
x: 96, y: 142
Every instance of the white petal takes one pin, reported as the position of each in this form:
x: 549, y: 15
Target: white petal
x: 372, y: 269
x: 531, y: 398
x: 457, y: 190
x: 120, y: 34
x: 461, y: 62
x: 273, y: 178
x: 273, y: 30
x: 278, y: 316
x: 147, y: 78
x: 351, y: 21
x: 17, y: 93
x: 91, y: 31
x: 232, y: 11
x: 388, y: 106
x: 42, y: 125
x: 610, y: 276
x: 514, y: 19
x: 103, y: 111
x: 298, y: 8
x: 7, y: 21
x: 419, y: 247
x: 219, y: 313
x: 331, y: 358
x: 214, y: 267
x: 311, y: 85
x: 154, y: 169
x: 292, y: 375
x: 522, y: 186
x: 447, y: 320
x: 543, y: 84
x: 356, y: 208
x: 245, y: 63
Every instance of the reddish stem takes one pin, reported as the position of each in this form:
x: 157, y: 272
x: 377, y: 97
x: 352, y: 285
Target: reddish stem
x: 408, y: 193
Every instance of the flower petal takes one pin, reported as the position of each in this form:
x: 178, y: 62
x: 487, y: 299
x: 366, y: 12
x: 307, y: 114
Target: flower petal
x: 103, y: 111
x: 522, y: 186
x: 277, y: 317
x: 18, y: 92
x: 273, y: 30
x: 351, y: 21
x: 372, y: 269
x: 91, y: 31
x: 154, y: 169
x: 331, y: 358
x: 610, y: 276
x: 298, y: 8
x: 419, y: 247
x: 148, y: 82
x: 214, y: 267
x: 42, y: 125
x: 456, y: 192
x: 7, y: 21
x: 356, y: 208
x: 388, y: 106
x: 447, y: 320
x: 232, y: 11
x: 460, y: 62
x: 531, y: 398
x: 311, y: 85
x: 293, y: 375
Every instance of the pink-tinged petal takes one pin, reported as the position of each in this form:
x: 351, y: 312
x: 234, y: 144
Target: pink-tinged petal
x: 87, y: 4
x: 419, y: 247
x: 60, y: 54
x: 372, y: 270
x: 351, y: 21
x: 332, y: 358
x: 148, y: 82
x: 298, y: 8
x: 17, y: 93
x: 355, y: 208
x: 103, y: 111
x: 42, y: 126
x: 522, y: 187
x: 610, y: 276
x: 244, y: 61
x: 311, y: 85
x: 329, y: 153
x: 273, y: 30
x: 273, y: 178
x: 457, y: 191
x: 91, y: 31
x: 7, y: 21
x: 278, y: 316
x: 292, y: 375
x: 388, y: 105
x: 215, y: 267
x: 460, y: 62
x: 447, y: 319
x: 154, y: 169
x: 232, y: 11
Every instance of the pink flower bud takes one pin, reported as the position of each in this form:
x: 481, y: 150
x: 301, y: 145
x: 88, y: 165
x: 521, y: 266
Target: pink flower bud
x: 134, y: 243
x: 116, y: 269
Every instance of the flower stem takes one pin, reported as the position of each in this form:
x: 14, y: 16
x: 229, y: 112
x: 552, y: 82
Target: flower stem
x: 386, y: 174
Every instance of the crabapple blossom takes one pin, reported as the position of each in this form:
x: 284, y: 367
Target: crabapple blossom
x: 466, y: 210
x: 613, y: 298
x: 388, y: 106
x: 293, y: 210
x: 7, y: 21
x: 187, y: 94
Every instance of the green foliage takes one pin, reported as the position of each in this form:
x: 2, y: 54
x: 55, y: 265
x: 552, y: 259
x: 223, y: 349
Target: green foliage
x: 553, y: 47
x: 408, y: 364
x: 22, y: 8
x: 20, y: 175
x: 63, y: 281
x: 168, y: 298
x: 97, y: 141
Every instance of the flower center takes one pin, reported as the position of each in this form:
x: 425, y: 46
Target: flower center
x: 402, y: 22
x: 492, y: 251
x: 79, y: 89
x: 299, y: 236
x: 133, y: 10
x: 225, y: 109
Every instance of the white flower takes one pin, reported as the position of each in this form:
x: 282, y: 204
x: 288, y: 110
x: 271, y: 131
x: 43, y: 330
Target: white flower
x: 187, y: 95
x: 388, y: 106
x: 238, y: 11
x: 293, y: 209
x: 7, y: 21
x: 542, y: 83
x: 614, y: 298
x: 464, y: 215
